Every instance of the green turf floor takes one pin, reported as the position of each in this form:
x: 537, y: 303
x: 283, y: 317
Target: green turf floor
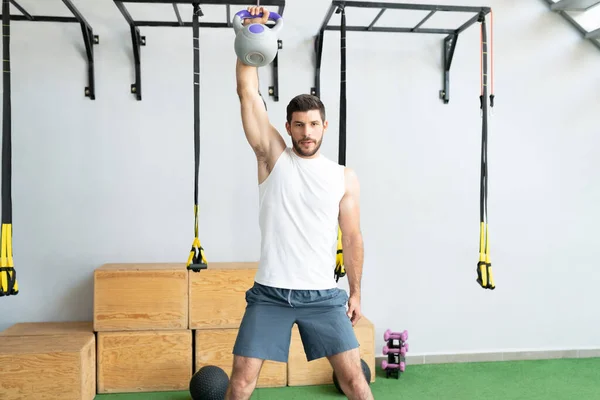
x: 561, y: 379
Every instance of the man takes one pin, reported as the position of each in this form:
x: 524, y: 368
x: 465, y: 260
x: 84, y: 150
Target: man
x: 303, y: 198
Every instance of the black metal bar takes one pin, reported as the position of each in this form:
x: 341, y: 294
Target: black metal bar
x: 448, y: 54
x: 177, y: 14
x: 379, y: 14
x: 137, y: 40
x: 183, y: 24
x: 468, y: 23
x: 89, y: 40
x: 327, y: 18
x: 43, y: 18
x: 21, y: 10
x: 424, y: 20
x: 75, y: 12
x: 316, y: 90
x: 391, y: 29
x: 274, y: 90
x: 213, y: 2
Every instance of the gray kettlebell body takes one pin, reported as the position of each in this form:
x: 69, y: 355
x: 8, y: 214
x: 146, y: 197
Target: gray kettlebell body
x: 256, y: 44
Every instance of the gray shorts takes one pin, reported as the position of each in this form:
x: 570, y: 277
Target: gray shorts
x: 266, y: 328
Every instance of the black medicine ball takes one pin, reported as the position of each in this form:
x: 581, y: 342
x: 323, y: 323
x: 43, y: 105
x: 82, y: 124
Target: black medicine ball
x: 209, y: 383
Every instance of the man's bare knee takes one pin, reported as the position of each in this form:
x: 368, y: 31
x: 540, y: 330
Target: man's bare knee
x: 244, y: 376
x: 350, y: 375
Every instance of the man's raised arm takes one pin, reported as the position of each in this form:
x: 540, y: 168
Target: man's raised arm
x: 264, y: 139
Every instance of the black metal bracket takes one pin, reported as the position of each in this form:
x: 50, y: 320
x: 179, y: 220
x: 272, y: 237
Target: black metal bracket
x: 448, y: 45
x: 138, y: 40
x: 447, y: 55
x: 89, y: 38
x: 274, y: 90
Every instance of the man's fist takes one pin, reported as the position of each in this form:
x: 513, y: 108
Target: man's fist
x: 256, y: 10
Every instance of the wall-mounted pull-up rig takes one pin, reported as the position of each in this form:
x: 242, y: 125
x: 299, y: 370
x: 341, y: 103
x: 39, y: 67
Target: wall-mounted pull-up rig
x: 485, y: 276
x: 89, y: 39
x: 138, y: 40
x: 448, y: 46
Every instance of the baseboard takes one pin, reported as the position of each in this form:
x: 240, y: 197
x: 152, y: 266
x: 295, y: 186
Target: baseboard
x: 496, y: 356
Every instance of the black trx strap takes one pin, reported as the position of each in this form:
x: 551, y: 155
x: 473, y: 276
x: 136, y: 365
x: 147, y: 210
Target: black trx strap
x: 340, y: 270
x: 196, y: 260
x: 485, y: 277
x: 342, y: 144
x: 8, y: 275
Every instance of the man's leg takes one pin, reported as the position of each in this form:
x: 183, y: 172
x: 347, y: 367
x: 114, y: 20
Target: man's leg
x: 348, y: 370
x: 264, y: 334
x: 326, y: 331
x: 244, y: 376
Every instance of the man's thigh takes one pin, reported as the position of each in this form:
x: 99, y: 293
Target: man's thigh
x: 266, y: 327
x: 323, y: 324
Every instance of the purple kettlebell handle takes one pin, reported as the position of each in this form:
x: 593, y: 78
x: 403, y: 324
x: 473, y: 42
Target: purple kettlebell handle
x: 246, y: 14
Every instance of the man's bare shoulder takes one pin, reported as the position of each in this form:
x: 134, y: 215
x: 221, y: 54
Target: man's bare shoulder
x: 351, y: 183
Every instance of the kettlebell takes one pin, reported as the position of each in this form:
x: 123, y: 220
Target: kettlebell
x: 256, y: 44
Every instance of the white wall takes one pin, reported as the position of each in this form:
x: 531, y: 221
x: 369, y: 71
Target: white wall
x: 111, y: 180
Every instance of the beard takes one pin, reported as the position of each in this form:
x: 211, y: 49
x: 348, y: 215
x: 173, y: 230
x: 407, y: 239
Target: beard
x: 303, y: 152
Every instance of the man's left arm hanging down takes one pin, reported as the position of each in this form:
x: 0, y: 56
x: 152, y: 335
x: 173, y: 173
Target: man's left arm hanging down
x: 352, y: 241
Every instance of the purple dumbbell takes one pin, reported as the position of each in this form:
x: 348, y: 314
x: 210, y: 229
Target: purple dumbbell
x: 402, y: 350
x: 395, y: 335
x: 386, y: 365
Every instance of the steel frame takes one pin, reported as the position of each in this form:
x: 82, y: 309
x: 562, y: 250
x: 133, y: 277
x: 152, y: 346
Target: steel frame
x: 573, y: 5
x: 448, y: 46
x: 89, y: 38
x: 138, y: 40
x: 562, y: 7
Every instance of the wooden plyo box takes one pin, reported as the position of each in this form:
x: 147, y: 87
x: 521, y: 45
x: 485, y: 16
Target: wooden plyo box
x: 319, y: 372
x: 214, y: 347
x: 144, y: 361
x: 217, y: 294
x: 51, y: 328
x: 135, y: 297
x: 60, y: 367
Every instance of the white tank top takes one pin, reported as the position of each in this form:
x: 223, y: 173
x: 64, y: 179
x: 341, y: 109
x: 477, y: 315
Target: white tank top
x: 298, y: 216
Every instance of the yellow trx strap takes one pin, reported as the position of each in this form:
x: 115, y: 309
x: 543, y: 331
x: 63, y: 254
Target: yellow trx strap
x: 196, y: 260
x: 8, y: 275
x: 340, y: 270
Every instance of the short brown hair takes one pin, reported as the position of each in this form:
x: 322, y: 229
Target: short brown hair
x: 303, y: 103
